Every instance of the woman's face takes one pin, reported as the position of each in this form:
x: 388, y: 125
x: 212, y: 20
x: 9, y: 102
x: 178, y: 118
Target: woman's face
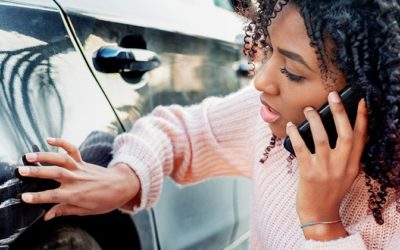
x: 291, y: 80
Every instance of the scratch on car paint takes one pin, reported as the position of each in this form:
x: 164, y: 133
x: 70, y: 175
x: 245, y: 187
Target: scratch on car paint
x: 11, y: 238
x: 9, y: 202
x: 10, y: 183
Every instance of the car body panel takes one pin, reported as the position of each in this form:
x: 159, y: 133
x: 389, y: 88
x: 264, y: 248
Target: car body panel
x: 40, y: 98
x: 197, y: 60
x: 67, y: 92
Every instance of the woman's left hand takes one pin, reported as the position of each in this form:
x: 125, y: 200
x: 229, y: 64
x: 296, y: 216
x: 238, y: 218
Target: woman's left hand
x: 85, y: 189
x: 327, y: 175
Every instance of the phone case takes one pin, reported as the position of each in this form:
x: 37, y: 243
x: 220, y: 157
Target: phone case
x: 350, y: 100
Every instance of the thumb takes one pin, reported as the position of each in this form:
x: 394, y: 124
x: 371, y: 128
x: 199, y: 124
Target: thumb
x: 64, y: 210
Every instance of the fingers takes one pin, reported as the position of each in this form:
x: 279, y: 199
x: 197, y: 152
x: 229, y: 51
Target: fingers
x: 299, y: 147
x: 342, y: 123
x: 360, y: 127
x: 360, y: 134
x: 58, y: 159
x: 65, y: 210
x: 48, y: 172
x: 45, y: 197
x: 68, y: 147
x: 320, y: 137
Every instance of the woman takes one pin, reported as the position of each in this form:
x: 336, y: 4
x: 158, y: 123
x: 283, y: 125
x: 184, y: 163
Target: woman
x: 336, y: 198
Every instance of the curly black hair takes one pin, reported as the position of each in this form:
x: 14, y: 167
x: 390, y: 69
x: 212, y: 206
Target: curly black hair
x: 366, y: 39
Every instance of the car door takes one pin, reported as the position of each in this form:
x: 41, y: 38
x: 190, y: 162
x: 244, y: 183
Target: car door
x: 196, y: 44
x: 46, y: 90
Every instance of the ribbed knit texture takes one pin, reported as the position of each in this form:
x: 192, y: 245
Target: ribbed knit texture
x: 226, y: 136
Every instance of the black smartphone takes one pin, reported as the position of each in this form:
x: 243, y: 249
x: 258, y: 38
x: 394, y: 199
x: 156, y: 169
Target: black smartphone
x: 350, y: 100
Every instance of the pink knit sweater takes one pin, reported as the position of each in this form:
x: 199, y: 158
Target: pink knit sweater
x: 226, y: 136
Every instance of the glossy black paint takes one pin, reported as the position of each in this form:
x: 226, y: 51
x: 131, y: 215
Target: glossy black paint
x: 46, y: 90
x: 16, y: 85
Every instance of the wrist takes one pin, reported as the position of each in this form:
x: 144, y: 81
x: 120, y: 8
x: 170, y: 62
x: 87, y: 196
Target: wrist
x: 325, y: 232
x: 131, y: 185
x: 328, y: 226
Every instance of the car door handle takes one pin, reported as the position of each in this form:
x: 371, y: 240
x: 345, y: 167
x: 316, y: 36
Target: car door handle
x: 114, y: 59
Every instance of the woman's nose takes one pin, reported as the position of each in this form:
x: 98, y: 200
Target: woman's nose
x: 266, y: 80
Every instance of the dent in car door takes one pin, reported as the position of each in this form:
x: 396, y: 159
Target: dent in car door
x: 46, y: 90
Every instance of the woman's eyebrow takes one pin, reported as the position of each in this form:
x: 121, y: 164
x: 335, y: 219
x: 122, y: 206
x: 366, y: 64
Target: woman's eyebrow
x: 294, y: 57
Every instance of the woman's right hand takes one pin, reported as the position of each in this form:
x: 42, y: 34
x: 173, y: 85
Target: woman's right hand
x: 85, y: 189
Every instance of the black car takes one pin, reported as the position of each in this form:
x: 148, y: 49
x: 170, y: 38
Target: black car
x: 86, y: 71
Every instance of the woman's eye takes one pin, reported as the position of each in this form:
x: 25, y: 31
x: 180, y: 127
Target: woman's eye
x: 292, y: 77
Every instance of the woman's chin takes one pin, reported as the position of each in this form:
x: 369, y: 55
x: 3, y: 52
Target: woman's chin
x: 278, y: 131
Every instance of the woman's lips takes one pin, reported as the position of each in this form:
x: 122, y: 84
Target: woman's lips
x: 268, y: 114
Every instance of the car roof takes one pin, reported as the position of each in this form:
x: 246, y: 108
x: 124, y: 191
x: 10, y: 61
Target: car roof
x: 47, y: 4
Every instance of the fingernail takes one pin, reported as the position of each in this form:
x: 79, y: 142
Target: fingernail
x: 289, y: 124
x: 27, y: 197
x: 306, y: 109
x: 334, y: 97
x: 51, y: 139
x: 23, y: 170
x: 49, y: 216
x: 363, y: 103
x: 31, y: 156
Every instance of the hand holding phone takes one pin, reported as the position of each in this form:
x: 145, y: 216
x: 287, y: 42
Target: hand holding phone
x: 326, y: 175
x: 350, y: 100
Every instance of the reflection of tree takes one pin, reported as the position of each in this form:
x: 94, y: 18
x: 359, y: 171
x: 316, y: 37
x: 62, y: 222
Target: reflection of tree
x: 26, y: 85
x: 25, y: 73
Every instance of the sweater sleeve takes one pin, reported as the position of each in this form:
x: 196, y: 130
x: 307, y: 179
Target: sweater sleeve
x: 191, y: 143
x: 354, y: 242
